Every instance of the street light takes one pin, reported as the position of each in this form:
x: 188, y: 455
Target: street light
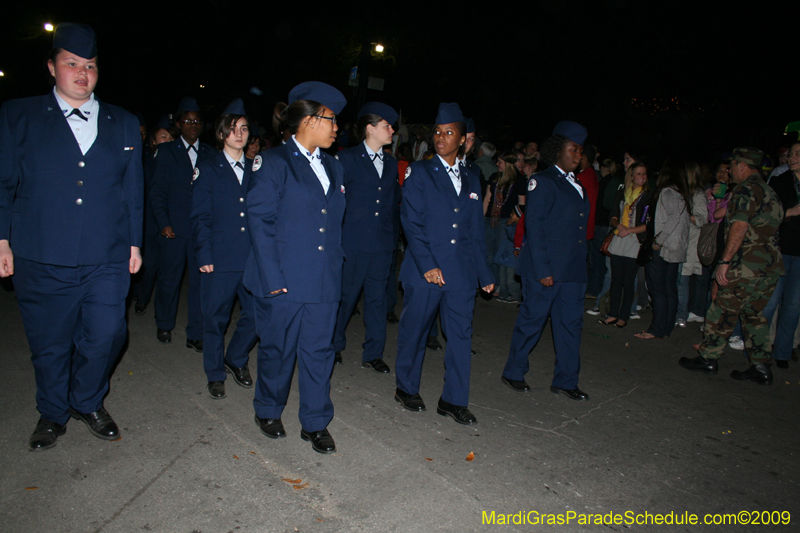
x: 379, y: 48
x: 48, y: 27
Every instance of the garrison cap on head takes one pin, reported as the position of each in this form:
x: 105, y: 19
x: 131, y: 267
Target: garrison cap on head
x: 470, y: 122
x: 76, y: 38
x: 382, y: 110
x: 164, y: 122
x: 236, y: 107
x: 449, y: 112
x: 572, y: 131
x: 748, y: 155
x: 317, y: 91
x: 188, y: 104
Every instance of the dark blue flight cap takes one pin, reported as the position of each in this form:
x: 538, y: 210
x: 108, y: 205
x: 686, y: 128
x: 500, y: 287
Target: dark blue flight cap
x: 188, y: 104
x: 449, y: 112
x: 470, y: 122
x: 572, y: 131
x: 236, y: 107
x: 165, y: 122
x: 382, y: 110
x: 76, y: 38
x: 317, y: 91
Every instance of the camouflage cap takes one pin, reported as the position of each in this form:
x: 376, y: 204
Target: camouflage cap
x: 748, y: 155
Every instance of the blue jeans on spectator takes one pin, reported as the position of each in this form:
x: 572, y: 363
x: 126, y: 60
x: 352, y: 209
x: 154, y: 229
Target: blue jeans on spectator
x: 495, y: 234
x: 790, y: 308
x: 662, y: 282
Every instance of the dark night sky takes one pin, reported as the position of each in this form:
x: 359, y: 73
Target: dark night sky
x: 517, y: 70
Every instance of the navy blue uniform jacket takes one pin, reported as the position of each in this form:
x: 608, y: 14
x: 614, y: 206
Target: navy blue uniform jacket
x: 171, y: 195
x: 59, y: 206
x: 444, y: 230
x: 555, y: 229
x: 295, y: 228
x: 218, y: 216
x: 373, y: 203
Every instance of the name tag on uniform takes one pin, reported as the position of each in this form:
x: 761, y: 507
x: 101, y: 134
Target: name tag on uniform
x: 473, y: 196
x: 128, y: 148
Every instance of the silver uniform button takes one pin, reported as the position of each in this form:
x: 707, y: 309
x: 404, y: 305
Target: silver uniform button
x: 380, y: 189
x: 242, y: 229
x: 376, y: 214
x: 377, y: 201
x: 455, y: 225
x: 80, y: 183
x: 81, y: 164
x: 241, y: 200
x: 322, y: 230
x: 241, y: 214
x: 321, y: 248
x: 453, y: 241
x: 456, y: 210
x: 324, y: 211
x: 79, y: 201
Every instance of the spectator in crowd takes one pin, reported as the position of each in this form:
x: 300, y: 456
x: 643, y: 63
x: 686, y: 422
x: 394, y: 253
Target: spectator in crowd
x: 694, y: 310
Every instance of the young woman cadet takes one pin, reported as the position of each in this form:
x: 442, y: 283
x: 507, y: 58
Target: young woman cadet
x: 295, y: 207
x: 369, y: 232
x: 71, y: 195
x: 221, y: 245
x: 442, y: 216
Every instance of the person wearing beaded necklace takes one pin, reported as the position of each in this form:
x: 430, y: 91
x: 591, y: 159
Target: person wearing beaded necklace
x: 499, y: 201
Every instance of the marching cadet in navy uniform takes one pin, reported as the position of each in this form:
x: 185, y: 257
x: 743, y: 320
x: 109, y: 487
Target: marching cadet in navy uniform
x: 295, y: 208
x: 143, y: 289
x: 442, y: 216
x: 368, y: 234
x: 75, y: 227
x: 553, y: 264
x: 171, y: 198
x: 221, y: 245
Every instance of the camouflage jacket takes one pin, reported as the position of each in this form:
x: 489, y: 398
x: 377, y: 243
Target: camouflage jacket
x: 754, y: 202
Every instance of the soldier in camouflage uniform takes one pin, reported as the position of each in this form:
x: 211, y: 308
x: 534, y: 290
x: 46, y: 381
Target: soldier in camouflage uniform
x: 747, y: 272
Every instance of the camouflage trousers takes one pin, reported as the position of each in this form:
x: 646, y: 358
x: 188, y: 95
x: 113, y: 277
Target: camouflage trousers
x: 743, y: 299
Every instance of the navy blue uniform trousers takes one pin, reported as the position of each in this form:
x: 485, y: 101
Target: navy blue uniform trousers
x: 370, y: 271
x: 456, y: 309
x: 75, y: 322
x: 563, y: 303
x: 151, y: 257
x: 175, y: 255
x: 218, y: 292
x: 295, y: 332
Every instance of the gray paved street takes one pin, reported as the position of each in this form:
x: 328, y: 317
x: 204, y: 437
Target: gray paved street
x: 654, y: 438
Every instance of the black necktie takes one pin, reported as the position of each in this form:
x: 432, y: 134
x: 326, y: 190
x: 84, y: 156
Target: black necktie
x: 77, y: 113
x: 239, y: 164
x: 191, y: 147
x: 377, y: 155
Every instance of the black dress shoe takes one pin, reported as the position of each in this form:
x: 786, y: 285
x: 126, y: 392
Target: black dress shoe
x: 45, y: 435
x: 216, y: 389
x: 100, y: 423
x: 781, y: 364
x: 164, y: 335
x: 460, y: 414
x: 377, y: 365
x: 473, y: 352
x: 321, y: 441
x: 271, y: 427
x: 337, y: 358
x: 391, y: 318
x: 759, y: 373
x: 433, y: 343
x: 197, y: 345
x: 412, y: 402
x: 516, y: 386
x: 573, y: 394
x: 699, y: 364
x: 139, y: 309
x: 240, y: 375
